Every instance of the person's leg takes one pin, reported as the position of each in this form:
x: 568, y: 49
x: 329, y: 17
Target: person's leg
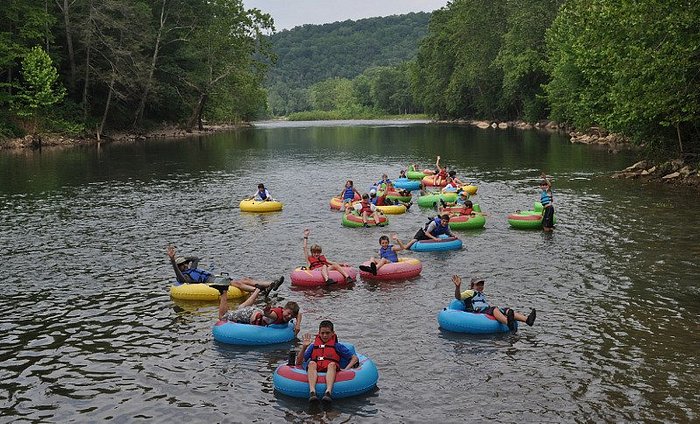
x: 223, y: 304
x: 312, y: 376
x: 324, y: 272
x: 410, y: 243
x: 500, y: 316
x: 365, y: 215
x: 242, y: 285
x: 529, y: 320
x: 251, y: 299
x: 330, y: 380
x: 376, y: 217
x: 382, y: 262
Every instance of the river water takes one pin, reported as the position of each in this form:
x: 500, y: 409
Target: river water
x: 88, y: 331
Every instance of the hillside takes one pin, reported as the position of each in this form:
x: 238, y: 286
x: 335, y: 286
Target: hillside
x: 312, y: 53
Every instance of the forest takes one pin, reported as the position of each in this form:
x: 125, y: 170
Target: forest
x: 333, y: 55
x: 80, y: 67
x: 632, y: 68
x: 87, y: 67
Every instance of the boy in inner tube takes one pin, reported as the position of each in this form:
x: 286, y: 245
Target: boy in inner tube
x: 324, y: 354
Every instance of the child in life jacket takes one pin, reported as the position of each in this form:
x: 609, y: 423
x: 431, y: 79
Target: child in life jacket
x: 433, y: 229
x: 262, y: 195
x: 186, y: 272
x: 475, y: 302
x: 246, y: 313
x: 440, y: 173
x: 327, y: 355
x: 348, y: 195
x: 365, y: 208
x: 318, y: 261
x: 387, y: 254
x: 456, y: 181
x: 547, y: 200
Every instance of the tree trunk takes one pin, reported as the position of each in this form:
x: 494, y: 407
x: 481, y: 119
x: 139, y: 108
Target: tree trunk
x: 106, y: 111
x: 680, y: 141
x: 88, y: 48
x: 69, y: 42
x: 138, y: 116
x: 196, y: 116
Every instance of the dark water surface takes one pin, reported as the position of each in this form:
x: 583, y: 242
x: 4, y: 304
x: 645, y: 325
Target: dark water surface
x: 88, y: 331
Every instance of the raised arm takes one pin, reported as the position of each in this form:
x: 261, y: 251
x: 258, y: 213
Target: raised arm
x: 401, y: 245
x: 437, y: 164
x: 306, y: 244
x: 306, y: 342
x: 457, y: 280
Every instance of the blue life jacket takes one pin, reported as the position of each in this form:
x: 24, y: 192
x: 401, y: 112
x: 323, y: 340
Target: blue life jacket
x: 388, y: 253
x: 349, y: 193
x: 373, y: 200
x: 197, y: 275
x: 439, y: 227
x: 262, y: 194
x: 545, y: 198
x: 476, y: 303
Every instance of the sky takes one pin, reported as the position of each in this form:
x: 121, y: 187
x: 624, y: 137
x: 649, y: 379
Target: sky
x: 290, y: 13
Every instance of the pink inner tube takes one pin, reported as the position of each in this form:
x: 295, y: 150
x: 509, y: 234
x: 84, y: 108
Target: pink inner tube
x: 404, y: 268
x: 337, y: 202
x: 314, y: 278
x: 429, y: 171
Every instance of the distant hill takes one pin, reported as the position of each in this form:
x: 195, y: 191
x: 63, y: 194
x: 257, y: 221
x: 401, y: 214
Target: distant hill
x: 312, y: 53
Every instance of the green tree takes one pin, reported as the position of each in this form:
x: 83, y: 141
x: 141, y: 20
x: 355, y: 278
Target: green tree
x: 228, y: 53
x: 629, y: 67
x: 40, y: 87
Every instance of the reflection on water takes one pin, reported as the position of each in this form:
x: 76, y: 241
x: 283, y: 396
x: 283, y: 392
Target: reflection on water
x: 88, y: 331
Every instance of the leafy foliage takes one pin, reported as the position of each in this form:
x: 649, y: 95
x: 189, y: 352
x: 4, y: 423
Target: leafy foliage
x: 313, y: 53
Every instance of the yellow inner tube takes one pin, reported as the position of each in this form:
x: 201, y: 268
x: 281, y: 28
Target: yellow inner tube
x: 471, y: 189
x: 202, y: 292
x: 258, y: 206
x: 392, y: 209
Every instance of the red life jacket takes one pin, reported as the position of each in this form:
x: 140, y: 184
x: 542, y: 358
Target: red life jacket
x: 315, y: 262
x: 381, y: 201
x: 442, y: 173
x: 324, y: 354
x: 260, y: 318
x: 365, y: 207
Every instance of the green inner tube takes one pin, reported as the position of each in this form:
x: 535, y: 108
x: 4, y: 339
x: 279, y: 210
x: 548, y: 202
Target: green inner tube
x: 529, y: 220
x: 430, y: 200
x: 476, y: 221
x: 415, y: 175
x: 352, y: 224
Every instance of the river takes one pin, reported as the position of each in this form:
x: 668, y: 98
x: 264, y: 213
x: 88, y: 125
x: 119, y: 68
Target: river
x: 88, y: 331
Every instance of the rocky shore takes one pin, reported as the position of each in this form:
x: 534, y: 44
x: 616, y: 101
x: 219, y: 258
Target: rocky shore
x: 49, y: 140
x: 674, y: 171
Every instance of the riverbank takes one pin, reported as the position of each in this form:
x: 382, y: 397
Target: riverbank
x: 167, y: 131
x: 675, y: 171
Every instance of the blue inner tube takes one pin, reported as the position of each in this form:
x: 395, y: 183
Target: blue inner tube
x: 455, y: 318
x: 406, y: 184
x: 445, y: 243
x: 292, y: 381
x: 252, y: 335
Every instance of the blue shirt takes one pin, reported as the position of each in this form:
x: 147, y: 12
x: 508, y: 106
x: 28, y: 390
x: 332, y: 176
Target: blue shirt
x: 343, y: 351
